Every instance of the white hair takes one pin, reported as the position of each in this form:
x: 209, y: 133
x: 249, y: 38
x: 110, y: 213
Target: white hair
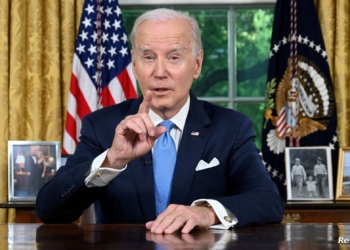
x: 163, y: 14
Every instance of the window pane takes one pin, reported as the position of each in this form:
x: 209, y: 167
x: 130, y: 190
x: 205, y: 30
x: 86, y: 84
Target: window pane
x: 253, y: 34
x: 255, y: 111
x: 213, y: 81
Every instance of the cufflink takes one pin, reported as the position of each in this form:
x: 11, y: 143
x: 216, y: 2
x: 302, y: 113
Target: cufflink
x: 99, y: 174
x: 228, y: 219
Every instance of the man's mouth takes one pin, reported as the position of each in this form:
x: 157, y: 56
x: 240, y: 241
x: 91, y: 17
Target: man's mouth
x: 160, y: 90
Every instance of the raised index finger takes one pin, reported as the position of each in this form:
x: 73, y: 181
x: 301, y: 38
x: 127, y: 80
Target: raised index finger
x: 146, y: 103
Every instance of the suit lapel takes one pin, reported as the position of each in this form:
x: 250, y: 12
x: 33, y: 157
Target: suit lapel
x: 190, y: 151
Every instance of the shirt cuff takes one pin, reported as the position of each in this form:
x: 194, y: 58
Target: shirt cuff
x: 100, y: 177
x: 227, y: 219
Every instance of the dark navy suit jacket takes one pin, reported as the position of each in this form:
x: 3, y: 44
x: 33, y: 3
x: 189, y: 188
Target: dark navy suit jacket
x: 241, y: 182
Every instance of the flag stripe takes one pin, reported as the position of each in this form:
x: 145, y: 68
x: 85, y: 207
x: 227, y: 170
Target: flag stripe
x: 126, y: 84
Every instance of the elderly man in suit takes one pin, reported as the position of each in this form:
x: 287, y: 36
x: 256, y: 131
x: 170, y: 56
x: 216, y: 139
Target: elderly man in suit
x: 215, y: 174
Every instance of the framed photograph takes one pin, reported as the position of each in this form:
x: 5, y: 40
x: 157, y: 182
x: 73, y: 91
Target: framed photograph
x: 30, y: 165
x: 309, y: 174
x: 343, y: 178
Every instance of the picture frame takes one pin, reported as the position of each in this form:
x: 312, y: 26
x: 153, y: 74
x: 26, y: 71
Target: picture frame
x: 309, y: 174
x: 30, y: 165
x: 343, y: 178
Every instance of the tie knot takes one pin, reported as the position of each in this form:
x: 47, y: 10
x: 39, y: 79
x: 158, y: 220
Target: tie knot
x: 168, y: 124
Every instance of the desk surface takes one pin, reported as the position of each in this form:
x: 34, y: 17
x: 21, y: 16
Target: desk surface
x: 75, y: 236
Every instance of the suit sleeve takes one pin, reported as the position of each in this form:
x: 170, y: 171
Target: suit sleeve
x: 65, y: 197
x: 254, y: 198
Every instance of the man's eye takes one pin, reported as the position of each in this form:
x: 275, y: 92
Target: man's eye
x: 148, y: 58
x: 174, y: 58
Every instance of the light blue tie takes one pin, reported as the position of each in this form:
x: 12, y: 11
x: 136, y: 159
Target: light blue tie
x: 164, y: 159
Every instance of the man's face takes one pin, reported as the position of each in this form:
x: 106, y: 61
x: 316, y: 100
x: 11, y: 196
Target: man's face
x: 297, y: 162
x: 163, y: 63
x: 32, y: 150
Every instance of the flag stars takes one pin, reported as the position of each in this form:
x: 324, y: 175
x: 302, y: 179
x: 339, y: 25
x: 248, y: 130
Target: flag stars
x: 103, y: 50
x: 94, y: 36
x: 276, y: 47
x: 124, y: 51
x: 335, y: 139
x: 118, y: 11
x: 105, y: 37
x: 89, y: 62
x: 284, y: 40
x: 318, y: 48
x: 269, y: 168
x: 305, y: 40
x: 100, y: 9
x: 280, y: 176
x: 92, y: 49
x: 300, y: 38
x: 116, y: 24
x: 81, y: 48
x: 331, y: 145
x: 124, y: 38
x: 271, y: 54
x: 100, y: 64
x: 324, y: 53
x: 86, y: 22
x: 115, y: 38
x: 90, y: 9
x: 311, y: 45
x: 83, y: 35
x: 106, y: 24
x: 274, y: 173
x: 109, y: 11
x: 110, y: 64
x: 112, y: 51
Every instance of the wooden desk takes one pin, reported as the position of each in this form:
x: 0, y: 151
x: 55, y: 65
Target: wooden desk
x: 73, y: 236
x: 313, y: 212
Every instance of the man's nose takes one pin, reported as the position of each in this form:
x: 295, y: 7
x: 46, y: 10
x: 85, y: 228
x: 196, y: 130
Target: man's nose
x: 160, y: 68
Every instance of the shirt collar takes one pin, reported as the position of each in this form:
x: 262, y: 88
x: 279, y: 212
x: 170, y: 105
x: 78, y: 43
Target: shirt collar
x: 179, y: 119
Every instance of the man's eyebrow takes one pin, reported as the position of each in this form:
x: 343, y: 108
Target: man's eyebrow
x: 180, y: 49
x: 175, y: 49
x: 143, y: 49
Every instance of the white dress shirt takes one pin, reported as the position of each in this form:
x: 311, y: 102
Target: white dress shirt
x: 100, y: 177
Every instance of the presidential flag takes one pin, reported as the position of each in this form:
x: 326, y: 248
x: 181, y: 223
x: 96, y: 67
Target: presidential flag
x: 300, y: 105
x: 101, y: 72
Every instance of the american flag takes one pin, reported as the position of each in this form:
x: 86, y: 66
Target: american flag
x: 101, y: 73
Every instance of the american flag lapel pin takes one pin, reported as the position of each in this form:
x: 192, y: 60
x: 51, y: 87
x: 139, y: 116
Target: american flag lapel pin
x: 195, y: 133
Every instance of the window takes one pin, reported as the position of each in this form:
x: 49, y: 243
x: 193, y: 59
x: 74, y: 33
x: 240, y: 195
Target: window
x: 236, y: 43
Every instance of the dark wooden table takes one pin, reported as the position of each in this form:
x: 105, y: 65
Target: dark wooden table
x: 75, y: 236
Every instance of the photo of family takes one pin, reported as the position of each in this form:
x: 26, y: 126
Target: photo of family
x: 343, y: 179
x: 31, y: 165
x: 309, y: 173
x: 346, y: 174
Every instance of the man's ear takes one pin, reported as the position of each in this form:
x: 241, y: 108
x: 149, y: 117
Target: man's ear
x: 198, y: 67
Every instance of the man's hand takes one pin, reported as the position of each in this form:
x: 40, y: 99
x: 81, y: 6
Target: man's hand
x: 134, y: 136
x: 185, y: 217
